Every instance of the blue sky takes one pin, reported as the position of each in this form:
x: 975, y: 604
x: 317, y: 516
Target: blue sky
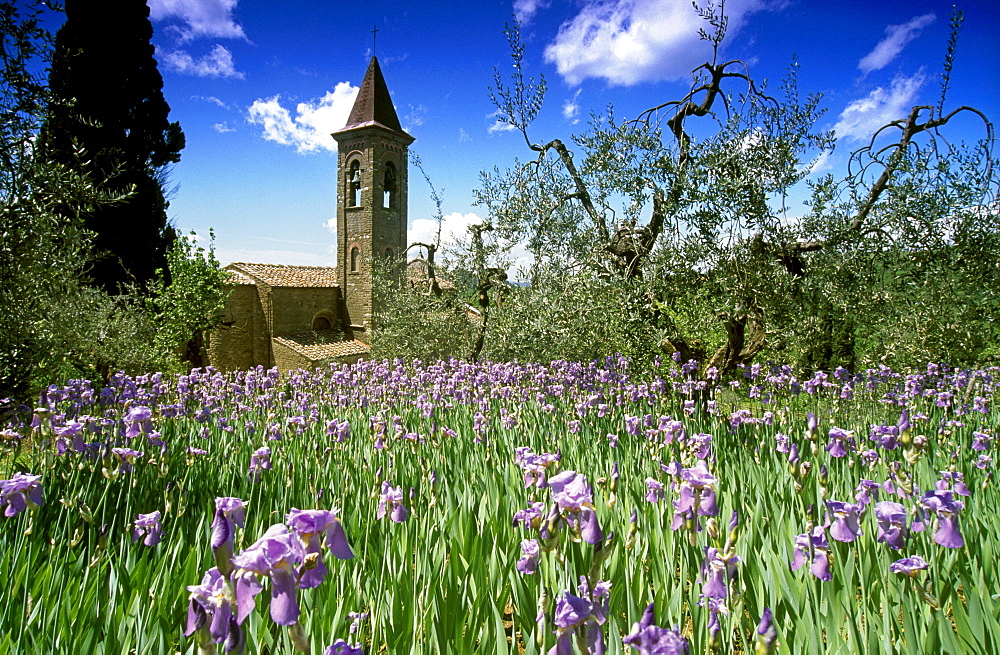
x: 259, y: 85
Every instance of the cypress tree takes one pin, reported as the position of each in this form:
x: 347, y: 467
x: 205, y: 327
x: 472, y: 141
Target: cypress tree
x: 109, y: 118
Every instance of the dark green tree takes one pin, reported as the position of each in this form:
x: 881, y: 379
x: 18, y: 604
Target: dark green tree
x: 109, y: 118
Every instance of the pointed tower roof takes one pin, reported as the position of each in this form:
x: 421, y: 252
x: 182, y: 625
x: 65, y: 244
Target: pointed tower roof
x: 373, y: 106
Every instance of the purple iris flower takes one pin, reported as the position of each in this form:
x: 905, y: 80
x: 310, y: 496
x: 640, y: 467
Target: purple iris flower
x: 650, y: 639
x: 21, y: 492
x: 908, y: 566
x: 275, y: 555
x: 886, y: 436
x: 891, y: 519
x: 534, y: 466
x: 570, y: 491
x: 766, y: 633
x: 259, y: 461
x: 865, y: 490
x: 696, y: 497
x: 229, y: 512
x: 528, y: 564
x: 841, y: 442
x: 716, y: 572
x: 945, y: 507
x: 816, y: 546
x: 341, y: 647
x: 356, y: 619
x: 126, y: 458
x: 209, y: 608
x: 313, y: 526
x: 570, y: 614
x: 392, y: 500
x: 846, y: 524
x: 953, y: 480
x: 148, y: 525
x: 139, y: 420
x: 530, y: 517
x: 339, y: 430
x: 654, y: 490
x: 590, y: 528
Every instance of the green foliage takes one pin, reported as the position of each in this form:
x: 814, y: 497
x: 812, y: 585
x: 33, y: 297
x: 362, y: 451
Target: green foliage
x: 41, y: 253
x: 109, y: 118
x: 689, y: 202
x: 566, y: 315
x: 53, y: 324
x: 445, y: 579
x: 411, y: 322
x: 188, y: 299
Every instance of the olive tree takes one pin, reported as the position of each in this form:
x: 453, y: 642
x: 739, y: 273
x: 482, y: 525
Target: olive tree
x: 684, y: 205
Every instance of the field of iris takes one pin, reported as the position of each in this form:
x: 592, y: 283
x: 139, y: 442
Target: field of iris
x: 504, y: 508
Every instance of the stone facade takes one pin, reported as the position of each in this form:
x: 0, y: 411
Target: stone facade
x: 304, y: 316
x: 373, y: 151
x: 284, y: 316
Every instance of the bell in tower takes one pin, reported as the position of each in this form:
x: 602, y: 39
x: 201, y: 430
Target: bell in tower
x: 372, y: 155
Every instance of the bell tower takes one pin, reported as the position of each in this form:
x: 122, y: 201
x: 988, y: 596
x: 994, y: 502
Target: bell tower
x: 372, y: 156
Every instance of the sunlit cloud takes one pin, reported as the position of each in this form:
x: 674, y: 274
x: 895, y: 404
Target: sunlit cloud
x: 498, y: 125
x: 896, y: 38
x: 217, y: 63
x: 525, y: 10
x: 630, y: 41
x: 571, y: 108
x: 862, y: 117
x: 222, y: 128
x: 198, y: 18
x: 454, y: 227
x: 313, y: 123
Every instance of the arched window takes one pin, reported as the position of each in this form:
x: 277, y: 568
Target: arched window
x: 389, y: 254
x: 354, y: 184
x: 355, y: 259
x: 389, y: 186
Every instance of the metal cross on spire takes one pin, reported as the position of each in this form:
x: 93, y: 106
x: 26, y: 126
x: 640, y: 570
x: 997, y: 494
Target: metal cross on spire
x: 374, y: 35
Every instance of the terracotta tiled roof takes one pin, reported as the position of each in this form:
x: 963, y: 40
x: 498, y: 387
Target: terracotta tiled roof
x: 235, y: 277
x: 280, y: 275
x: 322, y: 344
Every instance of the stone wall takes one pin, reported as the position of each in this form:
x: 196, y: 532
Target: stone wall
x: 294, y: 308
x: 287, y: 359
x: 242, y: 341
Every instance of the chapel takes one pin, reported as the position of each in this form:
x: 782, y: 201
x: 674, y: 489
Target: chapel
x: 306, y: 316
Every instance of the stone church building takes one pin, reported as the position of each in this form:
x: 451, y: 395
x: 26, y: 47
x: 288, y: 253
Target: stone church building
x: 305, y: 316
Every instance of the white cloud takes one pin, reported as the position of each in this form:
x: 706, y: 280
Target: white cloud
x: 498, y: 125
x: 631, y: 41
x: 201, y: 18
x: 222, y: 128
x: 313, y: 123
x: 896, y: 38
x: 861, y: 118
x: 571, y: 108
x: 525, y: 10
x: 455, y: 226
x: 463, y: 135
x: 331, y: 224
x: 211, y: 99
x: 822, y: 162
x: 217, y: 63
